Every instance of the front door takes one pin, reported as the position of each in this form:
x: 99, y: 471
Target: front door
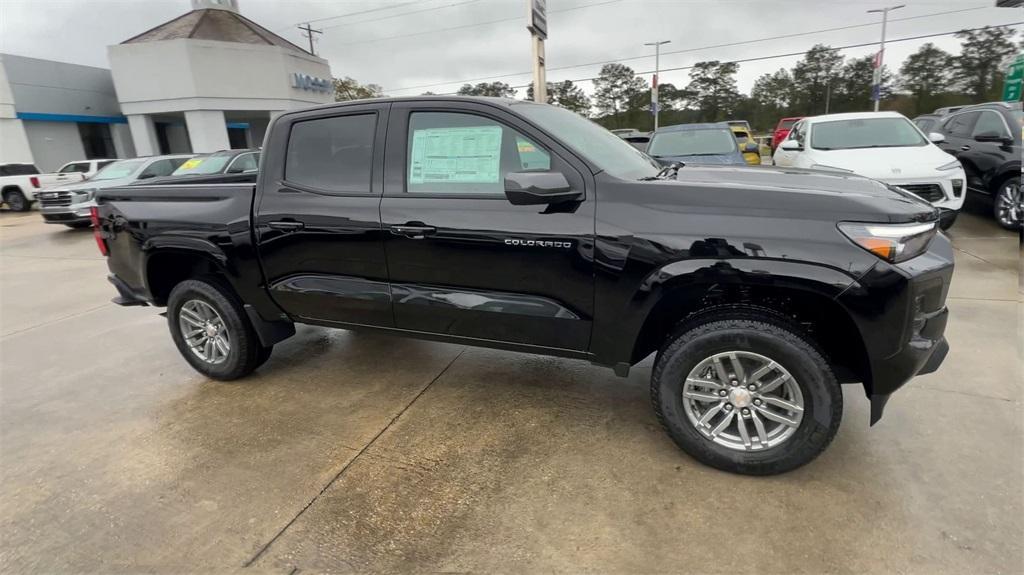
x: 318, y: 221
x: 462, y: 260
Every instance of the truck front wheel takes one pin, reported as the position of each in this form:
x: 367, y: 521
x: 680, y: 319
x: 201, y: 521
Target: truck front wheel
x: 748, y: 395
x: 211, y: 330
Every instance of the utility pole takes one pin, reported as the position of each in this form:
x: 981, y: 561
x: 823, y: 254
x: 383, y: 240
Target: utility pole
x: 654, y: 81
x: 537, y: 24
x: 876, y: 88
x: 308, y: 32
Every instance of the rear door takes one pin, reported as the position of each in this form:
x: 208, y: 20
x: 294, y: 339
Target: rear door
x: 317, y: 215
x: 465, y: 262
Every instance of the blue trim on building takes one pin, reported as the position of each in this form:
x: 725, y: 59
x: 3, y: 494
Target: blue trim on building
x: 40, y: 117
x: 239, y: 125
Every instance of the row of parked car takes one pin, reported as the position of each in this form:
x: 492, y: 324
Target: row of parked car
x: 984, y: 141
x: 65, y: 196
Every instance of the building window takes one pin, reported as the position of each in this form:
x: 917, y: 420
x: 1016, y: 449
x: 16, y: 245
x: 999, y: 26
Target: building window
x: 97, y: 141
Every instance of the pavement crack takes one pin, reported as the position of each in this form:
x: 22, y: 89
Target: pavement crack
x: 337, y: 476
x: 53, y: 321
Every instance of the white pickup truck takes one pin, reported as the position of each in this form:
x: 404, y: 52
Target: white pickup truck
x: 20, y: 182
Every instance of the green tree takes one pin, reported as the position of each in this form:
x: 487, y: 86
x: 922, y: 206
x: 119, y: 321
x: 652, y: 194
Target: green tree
x: 712, y: 89
x: 851, y: 90
x: 565, y: 94
x: 349, y: 89
x: 979, y: 66
x: 615, y: 87
x: 774, y: 91
x: 927, y: 74
x: 493, y: 89
x: 811, y: 77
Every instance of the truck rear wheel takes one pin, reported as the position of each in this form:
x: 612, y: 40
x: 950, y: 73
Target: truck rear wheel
x: 748, y: 395
x: 17, y: 201
x: 211, y: 330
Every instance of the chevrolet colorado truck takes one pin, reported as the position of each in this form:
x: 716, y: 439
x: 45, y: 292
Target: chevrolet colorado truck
x: 525, y: 227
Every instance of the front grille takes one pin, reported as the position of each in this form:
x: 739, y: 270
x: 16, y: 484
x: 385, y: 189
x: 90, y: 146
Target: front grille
x: 929, y: 192
x: 54, y: 199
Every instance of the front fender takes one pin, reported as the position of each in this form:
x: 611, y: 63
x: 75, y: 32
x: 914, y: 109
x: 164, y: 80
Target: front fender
x: 694, y: 284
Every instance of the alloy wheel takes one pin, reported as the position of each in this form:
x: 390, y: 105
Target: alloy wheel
x: 204, y: 331
x: 1008, y: 205
x: 743, y: 401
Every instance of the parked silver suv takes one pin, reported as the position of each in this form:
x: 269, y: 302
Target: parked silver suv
x: 69, y: 205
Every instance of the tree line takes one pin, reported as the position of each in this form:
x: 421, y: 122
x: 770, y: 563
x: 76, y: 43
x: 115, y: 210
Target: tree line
x: 823, y: 80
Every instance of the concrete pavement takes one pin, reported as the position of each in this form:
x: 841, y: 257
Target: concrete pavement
x: 357, y: 452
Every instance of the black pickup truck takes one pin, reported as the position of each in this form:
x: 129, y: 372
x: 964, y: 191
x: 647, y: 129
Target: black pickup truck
x: 525, y: 227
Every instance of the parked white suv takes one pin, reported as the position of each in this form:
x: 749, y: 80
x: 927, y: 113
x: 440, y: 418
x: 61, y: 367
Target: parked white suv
x: 87, y: 168
x: 20, y: 182
x: 885, y: 146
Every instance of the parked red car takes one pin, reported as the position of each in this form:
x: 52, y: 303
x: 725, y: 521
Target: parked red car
x: 782, y: 130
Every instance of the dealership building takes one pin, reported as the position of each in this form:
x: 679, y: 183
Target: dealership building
x: 210, y: 79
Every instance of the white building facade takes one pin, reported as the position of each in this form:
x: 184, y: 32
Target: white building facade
x: 210, y: 80
x: 53, y: 112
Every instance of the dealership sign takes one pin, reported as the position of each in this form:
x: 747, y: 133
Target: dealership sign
x: 307, y: 82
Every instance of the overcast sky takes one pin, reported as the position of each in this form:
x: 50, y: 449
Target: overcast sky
x: 439, y: 44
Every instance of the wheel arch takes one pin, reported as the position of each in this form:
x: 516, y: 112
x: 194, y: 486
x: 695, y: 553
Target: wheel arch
x: 168, y: 263
x: 801, y: 296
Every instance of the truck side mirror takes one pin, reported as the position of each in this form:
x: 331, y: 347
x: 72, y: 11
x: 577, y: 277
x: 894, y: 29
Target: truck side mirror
x: 936, y: 138
x: 538, y: 187
x: 791, y: 145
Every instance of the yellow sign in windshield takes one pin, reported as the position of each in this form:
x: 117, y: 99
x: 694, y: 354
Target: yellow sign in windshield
x: 190, y: 164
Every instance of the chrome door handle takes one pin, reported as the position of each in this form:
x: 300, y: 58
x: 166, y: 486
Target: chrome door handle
x: 415, y: 232
x: 964, y: 148
x: 286, y: 226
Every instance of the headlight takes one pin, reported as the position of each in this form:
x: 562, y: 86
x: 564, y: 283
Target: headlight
x: 950, y: 166
x: 833, y: 168
x: 892, y: 242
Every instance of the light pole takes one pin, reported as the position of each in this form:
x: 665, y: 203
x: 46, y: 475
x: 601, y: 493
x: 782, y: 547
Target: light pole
x: 654, y: 83
x: 877, y: 88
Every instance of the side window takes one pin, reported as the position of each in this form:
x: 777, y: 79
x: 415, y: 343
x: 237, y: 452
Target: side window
x: 157, y: 169
x: 76, y: 167
x: 243, y: 163
x: 961, y: 124
x: 797, y: 133
x: 332, y: 154
x: 990, y: 122
x: 465, y: 153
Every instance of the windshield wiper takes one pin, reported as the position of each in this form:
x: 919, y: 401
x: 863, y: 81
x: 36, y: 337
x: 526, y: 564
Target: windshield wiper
x: 668, y: 171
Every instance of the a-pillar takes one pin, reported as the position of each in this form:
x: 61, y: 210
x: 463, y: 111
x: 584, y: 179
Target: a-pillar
x: 207, y: 130
x: 143, y: 135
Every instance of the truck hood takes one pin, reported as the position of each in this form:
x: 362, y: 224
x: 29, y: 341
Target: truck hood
x: 797, y: 193
x: 888, y: 163
x: 715, y: 159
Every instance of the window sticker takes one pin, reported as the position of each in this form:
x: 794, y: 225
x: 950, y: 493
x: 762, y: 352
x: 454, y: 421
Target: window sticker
x: 191, y: 164
x: 460, y: 155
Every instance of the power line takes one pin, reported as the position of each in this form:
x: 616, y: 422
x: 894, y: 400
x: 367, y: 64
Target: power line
x: 325, y: 18
x: 453, y: 4
x: 309, y: 34
x: 787, y: 55
x: 519, y: 18
x: 685, y: 50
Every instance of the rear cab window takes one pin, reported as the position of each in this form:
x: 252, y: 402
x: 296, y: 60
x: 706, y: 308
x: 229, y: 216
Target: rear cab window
x: 332, y: 155
x: 18, y: 170
x: 465, y: 153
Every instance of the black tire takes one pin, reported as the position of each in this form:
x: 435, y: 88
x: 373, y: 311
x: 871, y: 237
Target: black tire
x: 761, y: 334
x: 245, y: 349
x: 17, y: 201
x: 1008, y: 193
x: 946, y: 223
x: 79, y: 225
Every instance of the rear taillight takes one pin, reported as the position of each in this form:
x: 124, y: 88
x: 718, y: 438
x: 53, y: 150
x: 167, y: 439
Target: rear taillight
x: 35, y: 181
x: 94, y: 217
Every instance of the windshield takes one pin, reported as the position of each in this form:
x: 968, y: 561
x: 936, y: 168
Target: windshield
x: 865, y: 133
x: 607, y: 151
x: 713, y: 142
x: 212, y: 164
x: 117, y: 170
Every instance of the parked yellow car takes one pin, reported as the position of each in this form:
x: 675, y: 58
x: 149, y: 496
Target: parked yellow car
x: 747, y: 144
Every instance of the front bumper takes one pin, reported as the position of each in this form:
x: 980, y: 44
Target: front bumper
x: 952, y: 183
x: 66, y: 214
x: 901, y: 313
